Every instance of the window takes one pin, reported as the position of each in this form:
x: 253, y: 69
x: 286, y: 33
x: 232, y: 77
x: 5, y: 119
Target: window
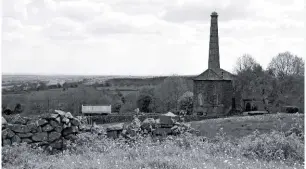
x: 216, y: 96
x: 200, y: 99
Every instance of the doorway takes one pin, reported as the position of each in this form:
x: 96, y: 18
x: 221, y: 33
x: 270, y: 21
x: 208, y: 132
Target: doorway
x: 248, y: 107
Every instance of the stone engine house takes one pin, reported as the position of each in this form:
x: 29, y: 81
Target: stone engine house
x: 213, y: 89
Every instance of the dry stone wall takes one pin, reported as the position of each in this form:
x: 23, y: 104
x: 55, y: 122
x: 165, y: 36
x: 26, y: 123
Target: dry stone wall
x: 52, y: 130
x: 163, y: 126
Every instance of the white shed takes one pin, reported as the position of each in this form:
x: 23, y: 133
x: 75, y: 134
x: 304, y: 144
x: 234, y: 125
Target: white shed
x: 96, y: 109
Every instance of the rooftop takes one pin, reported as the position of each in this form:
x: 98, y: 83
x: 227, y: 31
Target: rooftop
x: 215, y: 74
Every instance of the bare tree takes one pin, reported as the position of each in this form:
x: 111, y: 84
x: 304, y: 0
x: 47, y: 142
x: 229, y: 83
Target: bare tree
x: 245, y: 62
x: 285, y: 64
x: 170, y: 91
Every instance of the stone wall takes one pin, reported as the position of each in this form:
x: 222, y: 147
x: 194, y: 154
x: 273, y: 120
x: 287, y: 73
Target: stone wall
x: 216, y: 96
x: 49, y: 130
x: 167, y: 124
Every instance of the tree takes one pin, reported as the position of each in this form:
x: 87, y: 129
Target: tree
x: 130, y: 102
x: 186, y: 102
x: 145, y: 101
x: 244, y: 63
x: 18, y: 109
x: 116, y: 107
x: 41, y: 86
x: 252, y: 81
x: 288, y: 84
x: 169, y: 92
x: 285, y: 64
x: 247, y: 71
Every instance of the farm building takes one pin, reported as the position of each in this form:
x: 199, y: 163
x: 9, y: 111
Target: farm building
x: 253, y: 104
x: 96, y: 110
x: 213, y: 89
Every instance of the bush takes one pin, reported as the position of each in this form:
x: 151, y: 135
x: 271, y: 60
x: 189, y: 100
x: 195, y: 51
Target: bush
x: 186, y: 102
x: 273, y: 146
x: 116, y: 107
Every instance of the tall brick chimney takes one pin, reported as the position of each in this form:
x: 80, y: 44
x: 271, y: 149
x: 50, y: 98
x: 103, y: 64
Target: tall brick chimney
x: 214, y: 61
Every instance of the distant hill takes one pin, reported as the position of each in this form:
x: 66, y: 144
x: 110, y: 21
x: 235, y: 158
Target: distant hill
x: 141, y: 81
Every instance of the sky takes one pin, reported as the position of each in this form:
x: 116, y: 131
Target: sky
x: 143, y: 37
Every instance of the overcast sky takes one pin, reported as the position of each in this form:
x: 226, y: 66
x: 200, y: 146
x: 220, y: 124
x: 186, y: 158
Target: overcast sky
x: 143, y: 37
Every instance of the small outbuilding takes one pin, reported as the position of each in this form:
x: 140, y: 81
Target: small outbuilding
x: 96, y: 110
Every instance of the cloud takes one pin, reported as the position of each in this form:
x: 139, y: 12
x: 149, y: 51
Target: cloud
x: 143, y: 36
x: 196, y: 10
x: 61, y: 28
x: 15, y: 9
x: 80, y: 10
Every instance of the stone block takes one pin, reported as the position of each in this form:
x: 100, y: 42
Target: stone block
x: 58, y: 129
x: 54, y: 136
x: 47, y: 127
x: 53, y: 116
x: 6, y: 142
x: 75, y: 122
x: 19, y: 128
x: 71, y: 137
x: 17, y: 119
x: 68, y: 115
x: 115, y: 127
x: 60, y: 112
x: 33, y: 126
x: 148, y: 124
x: 65, y: 120
x: 42, y: 136
x: 58, y: 119
x: 70, y: 130
x: 163, y: 131
x: 54, y: 123
x: 113, y: 134
x: 4, y: 122
x: 7, y: 133
x: 58, y: 144
x: 26, y: 140
x: 24, y: 135
x: 39, y: 129
x: 166, y: 120
x: 16, y: 139
x: 42, y: 122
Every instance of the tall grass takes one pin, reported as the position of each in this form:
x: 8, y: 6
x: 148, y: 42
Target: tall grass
x: 186, y: 151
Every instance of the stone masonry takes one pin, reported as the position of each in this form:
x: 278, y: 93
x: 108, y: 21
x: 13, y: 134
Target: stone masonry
x: 213, y: 89
x: 51, y: 130
x: 213, y: 61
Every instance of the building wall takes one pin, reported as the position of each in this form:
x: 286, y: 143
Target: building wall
x: 213, y: 97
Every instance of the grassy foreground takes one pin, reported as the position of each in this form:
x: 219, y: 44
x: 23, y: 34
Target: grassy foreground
x: 255, y: 150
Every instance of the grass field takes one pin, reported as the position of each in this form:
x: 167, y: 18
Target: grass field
x: 252, y: 150
x: 241, y: 126
x: 36, y: 102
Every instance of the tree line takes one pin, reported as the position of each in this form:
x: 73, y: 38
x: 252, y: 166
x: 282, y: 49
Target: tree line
x: 280, y: 84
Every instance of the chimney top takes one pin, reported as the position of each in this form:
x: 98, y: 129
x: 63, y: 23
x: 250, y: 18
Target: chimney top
x: 214, y: 14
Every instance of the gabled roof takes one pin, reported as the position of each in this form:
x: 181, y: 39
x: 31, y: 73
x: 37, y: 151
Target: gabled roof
x: 215, y: 74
